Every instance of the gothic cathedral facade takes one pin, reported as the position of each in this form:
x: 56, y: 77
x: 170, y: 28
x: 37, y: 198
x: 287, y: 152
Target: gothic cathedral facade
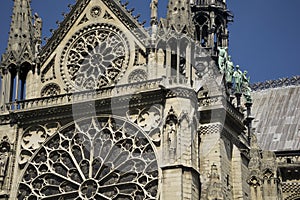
x: 108, y: 109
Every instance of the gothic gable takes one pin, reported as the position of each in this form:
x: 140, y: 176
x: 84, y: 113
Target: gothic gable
x: 99, y: 44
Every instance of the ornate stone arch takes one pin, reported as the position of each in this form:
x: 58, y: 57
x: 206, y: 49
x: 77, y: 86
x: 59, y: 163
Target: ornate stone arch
x: 137, y: 75
x: 94, y: 158
x: 51, y: 89
x: 202, y: 21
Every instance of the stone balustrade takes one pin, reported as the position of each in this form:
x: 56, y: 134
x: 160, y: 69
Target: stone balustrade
x: 81, y: 96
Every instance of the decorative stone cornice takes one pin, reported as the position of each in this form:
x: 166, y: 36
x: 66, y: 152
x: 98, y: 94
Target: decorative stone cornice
x: 283, y: 82
x: 103, y: 100
x: 291, y: 187
x: 207, y: 103
x: 181, y: 92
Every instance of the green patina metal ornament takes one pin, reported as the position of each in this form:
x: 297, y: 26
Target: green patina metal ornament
x: 229, y: 69
x: 246, y: 89
x: 238, y: 76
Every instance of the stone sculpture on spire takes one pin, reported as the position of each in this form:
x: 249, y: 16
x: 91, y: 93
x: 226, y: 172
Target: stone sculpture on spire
x: 153, y: 7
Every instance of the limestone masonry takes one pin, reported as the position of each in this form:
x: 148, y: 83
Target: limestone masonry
x: 110, y: 110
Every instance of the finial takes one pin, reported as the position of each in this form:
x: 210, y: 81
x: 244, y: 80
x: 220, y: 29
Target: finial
x: 131, y: 10
x: 125, y: 4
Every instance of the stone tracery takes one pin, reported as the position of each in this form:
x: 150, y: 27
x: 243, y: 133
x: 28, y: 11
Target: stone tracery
x: 95, y: 57
x: 51, y: 89
x: 137, y: 75
x: 103, y: 158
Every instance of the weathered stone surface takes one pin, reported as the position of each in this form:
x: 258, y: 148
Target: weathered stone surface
x: 110, y: 110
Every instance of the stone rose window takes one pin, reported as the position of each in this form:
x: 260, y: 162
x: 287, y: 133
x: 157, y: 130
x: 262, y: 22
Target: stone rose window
x: 94, y: 57
x: 98, y: 158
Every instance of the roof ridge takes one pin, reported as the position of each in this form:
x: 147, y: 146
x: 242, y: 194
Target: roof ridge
x: 277, y: 83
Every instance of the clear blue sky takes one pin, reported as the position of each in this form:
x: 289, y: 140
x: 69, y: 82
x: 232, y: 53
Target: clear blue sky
x: 264, y: 39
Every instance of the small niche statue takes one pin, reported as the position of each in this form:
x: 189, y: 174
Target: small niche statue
x: 222, y: 58
x: 152, y: 59
x: 238, y: 75
x: 4, y: 158
x: 171, y: 131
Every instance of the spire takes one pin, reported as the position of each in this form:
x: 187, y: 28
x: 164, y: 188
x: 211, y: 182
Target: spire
x: 22, y: 38
x: 179, y: 16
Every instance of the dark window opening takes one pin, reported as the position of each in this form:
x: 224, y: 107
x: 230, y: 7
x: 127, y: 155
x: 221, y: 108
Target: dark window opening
x: 173, y: 64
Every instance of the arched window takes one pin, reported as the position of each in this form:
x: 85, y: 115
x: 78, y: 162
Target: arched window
x: 13, y: 83
x: 219, y: 32
x: 202, y: 23
x: 184, y: 43
x: 172, y: 47
x: 25, y: 67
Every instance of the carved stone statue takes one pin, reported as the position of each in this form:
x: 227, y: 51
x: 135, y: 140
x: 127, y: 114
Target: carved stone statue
x: 222, y: 58
x: 214, y: 190
x: 4, y: 158
x: 153, y: 6
x: 37, y: 33
x: 238, y: 75
x: 171, y: 132
x: 152, y: 59
x: 37, y: 26
x: 160, y: 57
x: 229, y: 69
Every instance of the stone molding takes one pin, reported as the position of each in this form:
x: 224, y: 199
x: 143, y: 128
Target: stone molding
x: 291, y: 187
x: 210, y: 128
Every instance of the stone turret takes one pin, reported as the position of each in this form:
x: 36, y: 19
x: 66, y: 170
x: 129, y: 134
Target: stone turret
x: 211, y: 18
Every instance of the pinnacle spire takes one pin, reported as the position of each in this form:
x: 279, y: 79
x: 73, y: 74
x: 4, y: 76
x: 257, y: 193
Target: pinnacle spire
x: 179, y: 16
x: 22, y: 36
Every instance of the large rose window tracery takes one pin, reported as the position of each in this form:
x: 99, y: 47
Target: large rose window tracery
x: 95, y: 57
x: 100, y: 158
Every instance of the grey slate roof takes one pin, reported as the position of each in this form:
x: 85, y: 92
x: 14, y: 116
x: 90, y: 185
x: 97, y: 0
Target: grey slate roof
x: 277, y: 118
